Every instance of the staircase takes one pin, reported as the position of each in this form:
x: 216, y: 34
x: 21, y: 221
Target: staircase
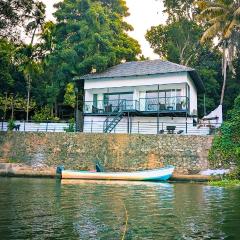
x: 113, y: 119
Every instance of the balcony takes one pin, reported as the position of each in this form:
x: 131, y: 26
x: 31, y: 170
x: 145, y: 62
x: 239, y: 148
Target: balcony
x: 102, y: 107
x: 164, y: 104
x: 144, y: 105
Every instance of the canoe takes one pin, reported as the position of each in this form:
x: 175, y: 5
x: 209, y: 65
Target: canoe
x: 161, y: 174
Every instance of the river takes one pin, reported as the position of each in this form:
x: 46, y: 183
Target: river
x: 50, y: 209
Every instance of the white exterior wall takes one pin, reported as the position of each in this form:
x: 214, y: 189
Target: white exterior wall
x: 193, y: 96
x: 139, y: 85
x: 161, y: 79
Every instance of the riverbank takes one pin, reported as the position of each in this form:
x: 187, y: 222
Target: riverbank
x: 21, y: 170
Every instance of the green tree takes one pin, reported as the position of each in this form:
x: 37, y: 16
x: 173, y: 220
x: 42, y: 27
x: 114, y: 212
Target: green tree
x: 222, y: 19
x: 93, y: 35
x: 178, y: 9
x: 13, y: 13
x: 178, y: 41
x: 70, y: 96
x: 37, y: 19
x: 30, y: 66
x: 6, y: 65
x: 88, y: 35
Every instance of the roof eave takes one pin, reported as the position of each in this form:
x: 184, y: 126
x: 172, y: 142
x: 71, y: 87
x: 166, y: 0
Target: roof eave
x: 197, y: 81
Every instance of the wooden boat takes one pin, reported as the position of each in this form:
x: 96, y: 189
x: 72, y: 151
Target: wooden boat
x: 161, y: 174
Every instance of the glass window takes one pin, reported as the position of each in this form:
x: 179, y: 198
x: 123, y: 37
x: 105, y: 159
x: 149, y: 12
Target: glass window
x: 95, y: 101
x: 167, y: 98
x: 115, y: 98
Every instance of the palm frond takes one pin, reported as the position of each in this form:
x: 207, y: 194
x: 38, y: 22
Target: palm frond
x: 213, y: 11
x: 229, y: 29
x: 211, y: 32
x: 202, y: 4
x: 237, y: 12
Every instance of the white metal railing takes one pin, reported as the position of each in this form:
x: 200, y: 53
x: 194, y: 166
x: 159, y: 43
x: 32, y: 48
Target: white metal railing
x: 36, y: 127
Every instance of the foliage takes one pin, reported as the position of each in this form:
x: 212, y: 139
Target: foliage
x: 178, y: 41
x: 11, y: 125
x: 44, y: 114
x: 225, y: 183
x: 91, y: 34
x: 70, y: 96
x: 12, y: 14
x: 222, y: 18
x: 37, y: 17
x: 15, y: 103
x: 226, y: 146
x: 71, y: 126
x: 178, y: 9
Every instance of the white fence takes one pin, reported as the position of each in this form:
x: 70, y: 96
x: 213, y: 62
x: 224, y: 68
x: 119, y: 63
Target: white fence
x: 37, y: 127
x: 151, y: 128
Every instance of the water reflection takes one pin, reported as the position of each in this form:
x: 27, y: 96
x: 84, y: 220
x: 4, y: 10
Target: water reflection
x: 48, y: 209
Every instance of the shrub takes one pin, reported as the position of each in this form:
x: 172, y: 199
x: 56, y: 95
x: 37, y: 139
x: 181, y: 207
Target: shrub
x: 71, y: 126
x: 11, y: 125
x: 44, y: 114
x: 226, y: 145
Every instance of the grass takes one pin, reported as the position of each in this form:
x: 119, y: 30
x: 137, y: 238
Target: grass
x: 225, y: 183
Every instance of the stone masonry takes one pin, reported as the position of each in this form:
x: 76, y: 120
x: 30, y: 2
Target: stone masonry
x: 115, y: 151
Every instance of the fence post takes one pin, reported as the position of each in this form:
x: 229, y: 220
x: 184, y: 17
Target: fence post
x: 138, y: 127
x: 24, y: 126
x: 47, y: 126
x: 91, y: 125
x: 2, y: 123
x: 186, y: 127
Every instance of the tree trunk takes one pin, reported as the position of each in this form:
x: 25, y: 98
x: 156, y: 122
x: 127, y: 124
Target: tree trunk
x: 28, y: 96
x: 224, y: 75
x: 12, y: 109
x: 56, y: 109
x: 34, y: 32
x: 224, y: 85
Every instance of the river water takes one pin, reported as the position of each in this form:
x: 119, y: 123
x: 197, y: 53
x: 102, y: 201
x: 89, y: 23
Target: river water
x: 50, y: 209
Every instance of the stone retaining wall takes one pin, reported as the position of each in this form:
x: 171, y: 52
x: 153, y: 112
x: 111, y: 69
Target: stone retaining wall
x: 114, y: 151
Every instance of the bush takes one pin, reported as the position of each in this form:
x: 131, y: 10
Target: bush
x: 44, y: 114
x: 225, y: 151
x: 11, y: 125
x: 71, y: 126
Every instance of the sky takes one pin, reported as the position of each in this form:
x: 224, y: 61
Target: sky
x: 143, y: 15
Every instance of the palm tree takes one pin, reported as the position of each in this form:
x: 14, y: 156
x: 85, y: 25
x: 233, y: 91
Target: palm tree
x: 223, y: 20
x: 37, y: 20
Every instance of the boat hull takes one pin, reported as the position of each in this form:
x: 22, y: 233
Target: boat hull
x: 161, y: 174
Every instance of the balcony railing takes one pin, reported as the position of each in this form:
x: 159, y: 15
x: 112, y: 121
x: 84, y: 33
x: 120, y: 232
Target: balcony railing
x: 102, y: 107
x: 180, y: 103
x: 162, y: 104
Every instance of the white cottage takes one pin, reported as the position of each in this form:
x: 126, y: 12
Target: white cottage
x: 142, y: 97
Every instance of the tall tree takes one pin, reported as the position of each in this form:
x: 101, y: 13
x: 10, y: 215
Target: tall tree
x: 12, y: 14
x: 95, y: 33
x: 37, y: 18
x: 89, y: 35
x: 178, y: 9
x: 222, y: 19
x: 178, y: 41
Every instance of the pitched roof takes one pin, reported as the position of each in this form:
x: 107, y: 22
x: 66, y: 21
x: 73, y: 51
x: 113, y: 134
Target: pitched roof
x: 149, y: 67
